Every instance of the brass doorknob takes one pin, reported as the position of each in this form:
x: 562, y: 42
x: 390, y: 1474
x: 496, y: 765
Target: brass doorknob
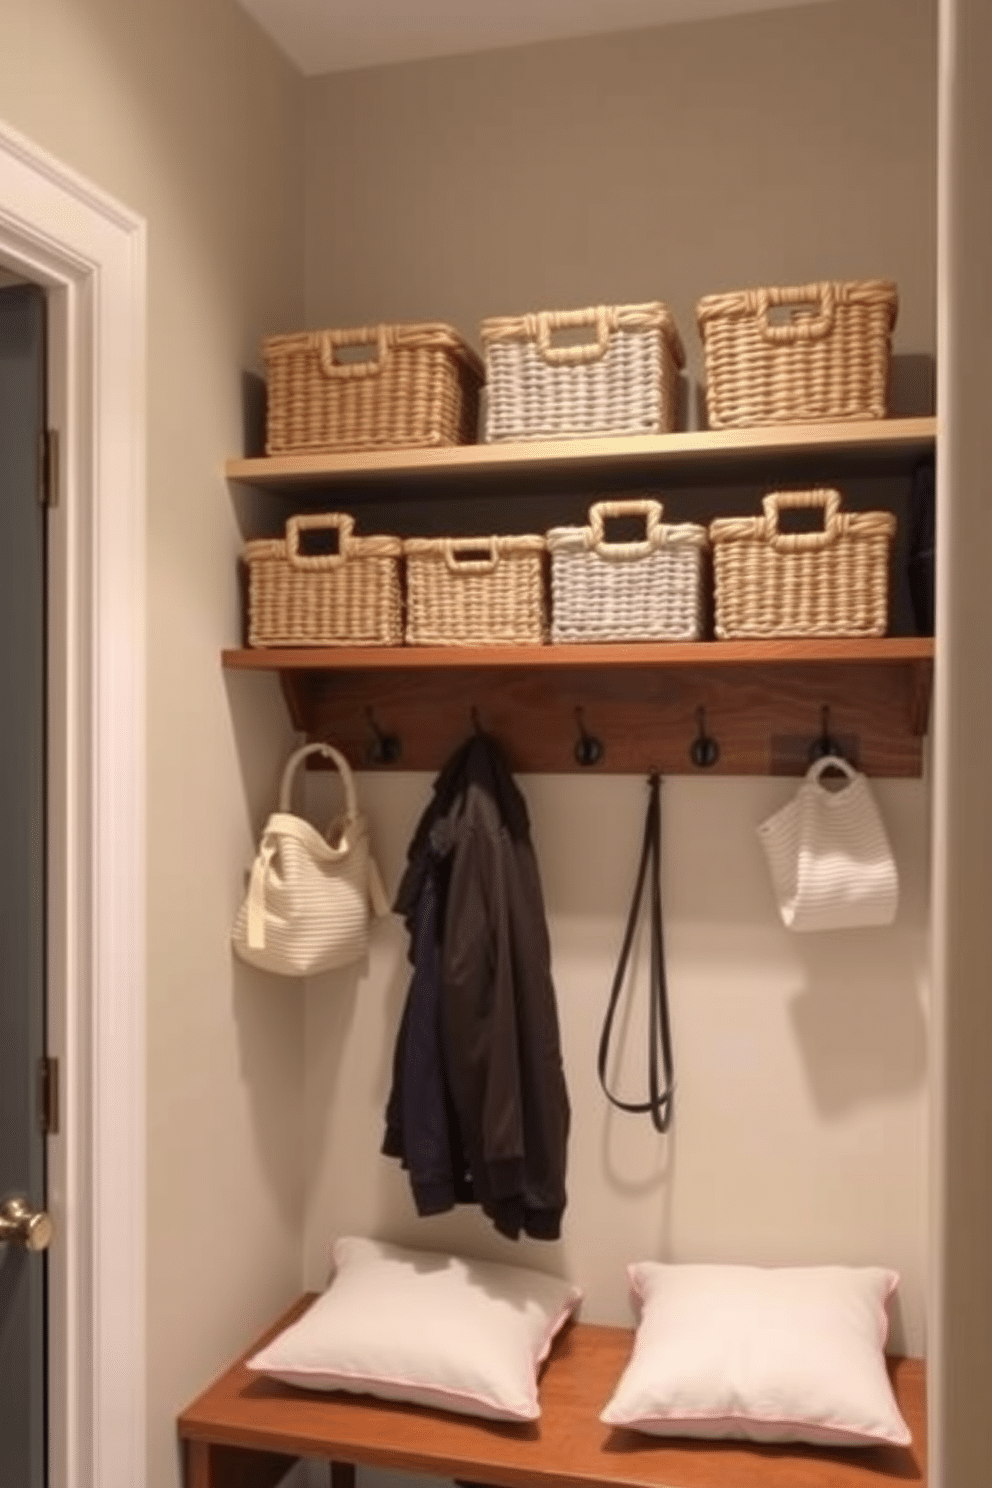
x: 22, y: 1225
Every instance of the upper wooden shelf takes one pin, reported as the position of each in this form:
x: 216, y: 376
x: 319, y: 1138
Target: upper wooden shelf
x: 881, y: 442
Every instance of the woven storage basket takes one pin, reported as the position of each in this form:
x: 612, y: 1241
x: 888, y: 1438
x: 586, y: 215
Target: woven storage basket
x: 828, y: 360
x: 347, y: 598
x: 622, y: 381
x: 650, y: 590
x: 832, y: 582
x: 475, y: 591
x: 420, y: 388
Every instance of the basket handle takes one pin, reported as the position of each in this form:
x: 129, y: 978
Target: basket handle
x: 453, y: 546
x: 802, y: 542
x: 571, y: 356
x: 654, y: 538
x: 344, y: 770
x: 799, y: 328
x: 326, y: 341
x: 317, y: 561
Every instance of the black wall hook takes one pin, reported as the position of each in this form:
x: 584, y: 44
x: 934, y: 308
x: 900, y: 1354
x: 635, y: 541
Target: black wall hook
x: 385, y: 749
x: 704, y: 751
x: 827, y: 743
x: 588, y: 749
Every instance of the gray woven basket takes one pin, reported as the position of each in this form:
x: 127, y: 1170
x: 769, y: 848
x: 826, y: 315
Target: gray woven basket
x: 348, y: 598
x: 652, y: 590
x: 475, y: 591
x: 829, y: 359
x: 833, y: 582
x: 621, y: 381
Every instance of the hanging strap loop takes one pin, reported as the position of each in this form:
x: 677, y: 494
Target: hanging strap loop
x: 660, y: 1096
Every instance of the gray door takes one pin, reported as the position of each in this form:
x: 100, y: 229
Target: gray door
x: 23, y: 1272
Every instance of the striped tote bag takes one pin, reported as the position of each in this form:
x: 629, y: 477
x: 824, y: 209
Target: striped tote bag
x: 830, y: 861
x: 309, y: 895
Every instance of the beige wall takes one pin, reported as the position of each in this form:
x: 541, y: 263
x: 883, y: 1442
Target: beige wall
x: 771, y: 149
x: 184, y: 113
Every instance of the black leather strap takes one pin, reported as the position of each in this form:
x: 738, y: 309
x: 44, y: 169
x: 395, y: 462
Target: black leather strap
x: 660, y: 1097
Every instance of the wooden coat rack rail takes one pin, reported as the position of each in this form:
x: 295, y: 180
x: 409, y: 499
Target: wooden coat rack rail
x: 710, y: 707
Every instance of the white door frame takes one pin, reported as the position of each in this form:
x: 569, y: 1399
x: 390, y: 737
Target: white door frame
x: 89, y: 252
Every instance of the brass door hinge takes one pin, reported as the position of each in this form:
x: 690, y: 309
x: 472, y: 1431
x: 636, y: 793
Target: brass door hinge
x: 48, y: 468
x: 48, y: 1095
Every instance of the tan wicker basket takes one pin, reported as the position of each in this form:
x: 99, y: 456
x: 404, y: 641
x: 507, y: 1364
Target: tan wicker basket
x: 475, y: 591
x: 348, y: 598
x: 622, y: 381
x: 650, y: 590
x: 831, y: 582
x: 420, y: 388
x: 829, y: 360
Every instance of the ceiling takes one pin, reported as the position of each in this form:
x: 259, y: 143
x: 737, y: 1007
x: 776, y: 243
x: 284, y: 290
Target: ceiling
x: 341, y: 35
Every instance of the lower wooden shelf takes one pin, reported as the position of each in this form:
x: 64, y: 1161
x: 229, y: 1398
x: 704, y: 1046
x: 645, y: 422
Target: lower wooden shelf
x: 765, y: 704
x: 246, y: 1431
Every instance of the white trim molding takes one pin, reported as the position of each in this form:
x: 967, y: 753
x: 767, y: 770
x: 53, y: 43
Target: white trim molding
x: 89, y: 253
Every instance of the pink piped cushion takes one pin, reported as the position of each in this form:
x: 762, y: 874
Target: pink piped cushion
x: 459, y: 1335
x: 764, y: 1353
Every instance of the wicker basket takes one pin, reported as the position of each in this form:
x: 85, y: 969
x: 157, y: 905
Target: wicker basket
x: 623, y: 381
x: 475, y: 591
x: 828, y: 360
x: 420, y: 388
x: 650, y: 590
x: 347, y: 598
x: 832, y: 582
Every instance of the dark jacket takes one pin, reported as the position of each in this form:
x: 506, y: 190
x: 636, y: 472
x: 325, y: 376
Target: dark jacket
x: 421, y: 1124
x: 498, y: 1066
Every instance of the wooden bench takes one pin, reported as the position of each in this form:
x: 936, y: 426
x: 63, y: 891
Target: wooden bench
x: 246, y: 1432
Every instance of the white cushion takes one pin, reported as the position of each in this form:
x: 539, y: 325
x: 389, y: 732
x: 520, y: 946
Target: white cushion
x: 769, y: 1354
x: 467, y: 1336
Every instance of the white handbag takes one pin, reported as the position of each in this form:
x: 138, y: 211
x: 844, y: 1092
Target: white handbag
x: 829, y: 856
x: 307, y: 904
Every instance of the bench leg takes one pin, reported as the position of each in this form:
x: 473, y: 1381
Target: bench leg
x: 212, y: 1466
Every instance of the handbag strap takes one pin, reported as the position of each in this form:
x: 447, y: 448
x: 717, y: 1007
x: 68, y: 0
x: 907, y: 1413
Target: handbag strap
x: 344, y: 770
x: 830, y: 762
x: 660, y: 1097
